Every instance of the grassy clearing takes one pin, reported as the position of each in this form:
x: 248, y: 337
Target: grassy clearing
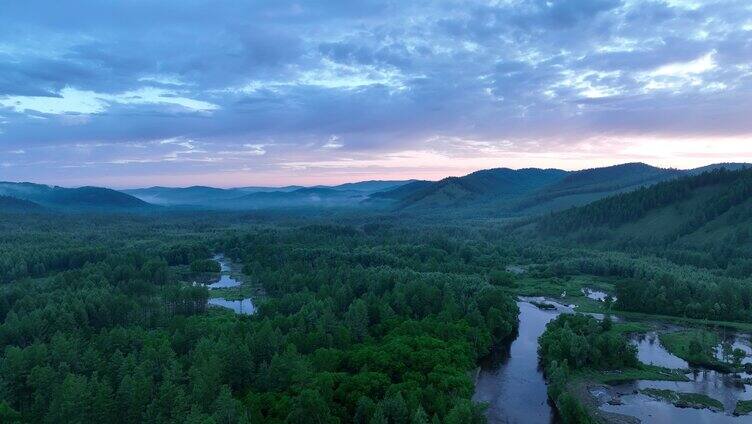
x: 696, y: 347
x: 740, y: 326
x: 571, y: 285
x: 743, y: 407
x: 684, y: 400
x: 645, y: 372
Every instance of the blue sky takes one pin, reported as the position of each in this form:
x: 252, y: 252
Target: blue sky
x: 230, y: 93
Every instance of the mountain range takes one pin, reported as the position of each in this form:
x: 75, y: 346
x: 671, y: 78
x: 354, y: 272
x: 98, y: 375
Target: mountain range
x: 490, y: 192
x: 531, y: 191
x: 349, y: 194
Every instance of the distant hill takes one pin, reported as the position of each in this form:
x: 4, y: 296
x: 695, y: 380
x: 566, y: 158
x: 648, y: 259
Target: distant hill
x: 244, y: 197
x: 695, y: 209
x: 255, y: 189
x: 531, y: 191
x: 71, y: 198
x: 491, y: 185
x: 731, y: 166
x: 12, y: 204
x: 498, y: 192
x: 194, y: 195
x: 373, y: 186
x: 305, y: 197
x: 582, y: 187
x: 401, y: 192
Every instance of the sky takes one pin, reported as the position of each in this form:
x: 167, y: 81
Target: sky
x: 275, y: 92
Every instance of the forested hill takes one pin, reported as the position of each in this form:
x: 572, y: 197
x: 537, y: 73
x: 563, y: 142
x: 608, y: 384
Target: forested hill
x: 707, y: 209
x: 581, y: 187
x: 481, y: 186
x: 532, y: 191
x: 11, y: 204
x: 71, y: 198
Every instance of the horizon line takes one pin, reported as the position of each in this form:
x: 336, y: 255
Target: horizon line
x: 303, y: 185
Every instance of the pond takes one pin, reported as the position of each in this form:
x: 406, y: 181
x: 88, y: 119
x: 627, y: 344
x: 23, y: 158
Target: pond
x: 243, y: 306
x: 226, y: 280
x: 649, y: 410
x: 651, y: 352
x: 726, y: 388
x: 735, y: 341
x: 598, y: 295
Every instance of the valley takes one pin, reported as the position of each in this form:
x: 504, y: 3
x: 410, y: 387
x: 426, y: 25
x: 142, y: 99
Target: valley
x: 343, y: 314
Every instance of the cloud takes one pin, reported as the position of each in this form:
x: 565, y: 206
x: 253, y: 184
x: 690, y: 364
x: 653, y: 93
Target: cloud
x: 264, y: 84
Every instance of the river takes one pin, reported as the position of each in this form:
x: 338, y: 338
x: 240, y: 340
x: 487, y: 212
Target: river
x: 226, y: 280
x: 513, y: 385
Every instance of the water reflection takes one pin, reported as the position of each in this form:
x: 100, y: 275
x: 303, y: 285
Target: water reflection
x: 649, y: 410
x: 244, y: 306
x: 225, y: 280
x: 512, y: 383
x: 598, y: 295
x: 734, y: 341
x: 651, y: 352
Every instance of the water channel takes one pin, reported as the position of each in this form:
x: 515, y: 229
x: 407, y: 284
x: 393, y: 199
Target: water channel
x: 227, y: 280
x: 513, y: 385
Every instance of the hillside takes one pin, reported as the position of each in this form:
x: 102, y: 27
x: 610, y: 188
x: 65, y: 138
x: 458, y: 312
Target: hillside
x: 71, y: 198
x: 314, y: 197
x: 692, y: 211
x: 373, y: 186
x: 508, y: 192
x: 582, y: 187
x: 194, y: 195
x: 478, y: 187
x: 260, y: 197
x: 12, y: 204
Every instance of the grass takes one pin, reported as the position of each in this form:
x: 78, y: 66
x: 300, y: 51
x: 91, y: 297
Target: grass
x: 680, y: 343
x: 572, y: 285
x: 543, y: 305
x: 684, y: 400
x: 741, y: 326
x: 743, y: 407
x: 644, y: 372
x: 630, y: 327
x: 554, y: 287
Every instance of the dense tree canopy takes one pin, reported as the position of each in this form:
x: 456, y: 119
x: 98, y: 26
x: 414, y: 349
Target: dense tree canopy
x: 357, y: 324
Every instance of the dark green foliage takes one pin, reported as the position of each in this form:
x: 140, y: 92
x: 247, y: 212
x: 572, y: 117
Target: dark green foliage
x: 577, y: 342
x: 581, y: 341
x: 205, y: 265
x: 727, y: 299
x: 355, y: 327
x: 484, y: 186
x: 14, y: 205
x: 629, y: 207
x: 610, y: 179
x: 501, y: 278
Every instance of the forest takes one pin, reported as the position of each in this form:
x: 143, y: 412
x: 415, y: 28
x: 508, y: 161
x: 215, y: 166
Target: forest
x: 573, y: 343
x: 366, y: 318
x: 359, y: 325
